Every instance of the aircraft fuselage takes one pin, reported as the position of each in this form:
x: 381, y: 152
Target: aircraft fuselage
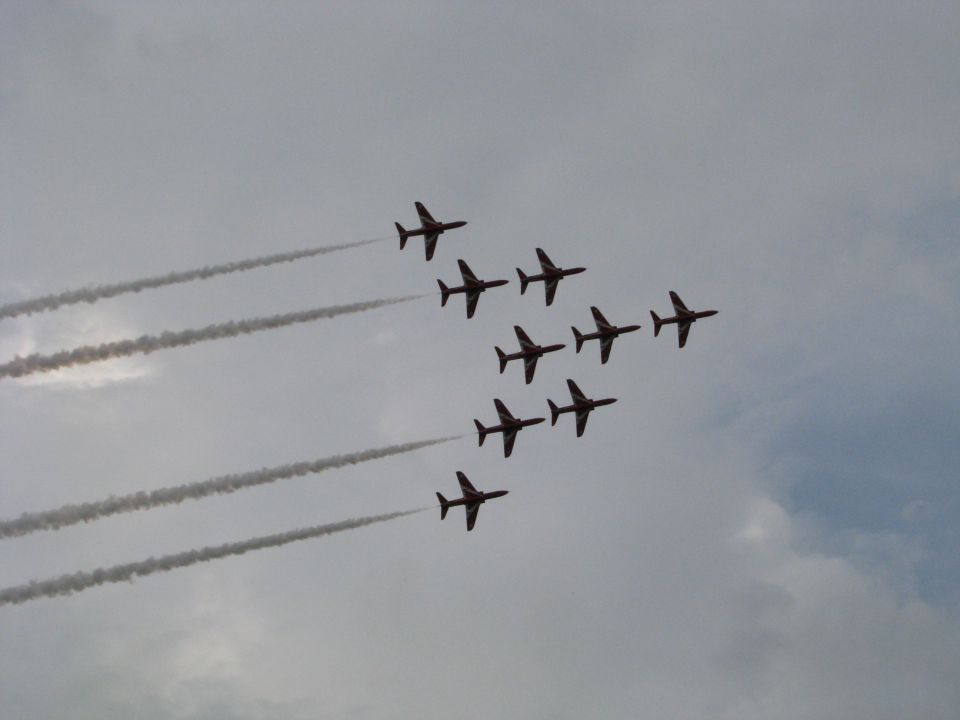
x: 477, y: 287
x: 692, y: 317
x: 614, y: 331
x: 588, y: 405
x: 438, y: 228
x: 538, y: 351
x: 480, y: 497
x: 544, y: 276
x: 516, y: 425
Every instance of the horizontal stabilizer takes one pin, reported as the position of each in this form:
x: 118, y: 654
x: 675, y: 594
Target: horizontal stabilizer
x: 403, y: 235
x: 554, y: 412
x: 481, y: 430
x: 523, y: 281
x: 503, y: 359
x: 444, y: 506
x: 578, y: 337
x: 657, y: 322
x: 444, y: 292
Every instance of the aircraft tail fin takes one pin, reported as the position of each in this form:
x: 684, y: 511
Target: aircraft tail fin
x: 503, y: 359
x: 402, y: 233
x: 554, y: 412
x: 523, y: 280
x: 444, y: 292
x: 578, y: 337
x: 444, y: 506
x: 657, y: 322
x: 481, y: 430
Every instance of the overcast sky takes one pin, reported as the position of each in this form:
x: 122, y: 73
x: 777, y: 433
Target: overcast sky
x: 764, y: 525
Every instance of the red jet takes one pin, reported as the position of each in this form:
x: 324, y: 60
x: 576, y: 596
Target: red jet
x: 582, y: 406
x: 430, y: 229
x: 550, y: 275
x: 683, y: 319
x: 472, y: 287
x: 605, y: 334
x: 472, y: 500
x: 509, y: 426
x: 529, y: 352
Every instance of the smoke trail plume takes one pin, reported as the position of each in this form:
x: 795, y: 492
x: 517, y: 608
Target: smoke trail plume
x: 69, y: 584
x: 87, y: 512
x: 101, y: 292
x: 20, y: 366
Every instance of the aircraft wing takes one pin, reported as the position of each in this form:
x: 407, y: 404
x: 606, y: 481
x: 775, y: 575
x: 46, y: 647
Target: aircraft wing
x: 525, y: 342
x: 472, y: 297
x: 551, y: 288
x: 468, y: 277
x: 473, y: 509
x: 430, y: 244
x: 502, y: 411
x: 530, y: 367
x: 509, y: 437
x: 466, y: 487
x: 601, y: 321
x: 605, y: 344
x: 576, y: 394
x: 684, y: 330
x: 678, y: 305
x: 545, y: 264
x: 425, y: 217
x: 582, y: 416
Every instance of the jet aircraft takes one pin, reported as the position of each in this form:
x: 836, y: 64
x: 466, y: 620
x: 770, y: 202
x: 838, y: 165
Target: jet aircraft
x: 472, y: 287
x: 582, y: 406
x: 472, y: 500
x: 529, y: 352
x: 683, y: 319
x: 606, y: 333
x: 550, y: 275
x: 509, y: 426
x: 430, y: 229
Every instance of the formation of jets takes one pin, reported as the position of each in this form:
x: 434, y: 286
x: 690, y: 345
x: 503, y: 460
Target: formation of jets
x: 581, y: 406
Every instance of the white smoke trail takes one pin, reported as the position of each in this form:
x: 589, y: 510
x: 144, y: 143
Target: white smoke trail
x: 20, y: 366
x: 101, y: 292
x: 87, y: 512
x: 76, y: 582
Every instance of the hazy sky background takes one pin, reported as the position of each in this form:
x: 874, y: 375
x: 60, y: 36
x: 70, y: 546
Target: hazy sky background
x: 765, y: 524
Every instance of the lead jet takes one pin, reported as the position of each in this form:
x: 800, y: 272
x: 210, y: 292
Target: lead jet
x: 683, y: 319
x: 550, y: 275
x: 605, y: 334
x: 509, y: 426
x: 430, y: 229
x: 582, y: 406
x: 472, y: 500
x: 472, y: 287
x: 529, y: 352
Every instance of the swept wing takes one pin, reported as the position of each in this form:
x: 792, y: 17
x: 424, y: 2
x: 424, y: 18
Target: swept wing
x: 600, y: 320
x: 530, y: 367
x: 505, y: 416
x: 576, y: 394
x: 550, y: 286
x: 678, y: 305
x: 545, y: 264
